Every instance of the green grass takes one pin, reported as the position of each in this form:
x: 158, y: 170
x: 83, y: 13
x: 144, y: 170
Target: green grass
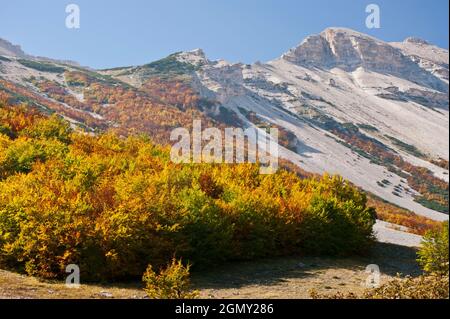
x: 411, y: 149
x: 367, y: 127
x: 169, y: 66
x: 5, y: 59
x: 432, y: 205
x: 41, y: 66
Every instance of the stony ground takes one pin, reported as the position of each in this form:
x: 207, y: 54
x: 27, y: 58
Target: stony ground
x: 291, y: 277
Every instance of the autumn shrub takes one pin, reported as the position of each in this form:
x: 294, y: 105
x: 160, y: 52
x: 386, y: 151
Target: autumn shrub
x: 433, y: 286
x: 116, y: 205
x: 422, y: 287
x: 433, y: 253
x: 171, y: 282
x: 337, y: 228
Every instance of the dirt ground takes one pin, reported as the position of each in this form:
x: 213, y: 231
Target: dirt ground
x: 291, y: 277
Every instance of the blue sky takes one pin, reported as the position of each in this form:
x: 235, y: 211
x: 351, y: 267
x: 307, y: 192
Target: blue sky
x: 117, y: 33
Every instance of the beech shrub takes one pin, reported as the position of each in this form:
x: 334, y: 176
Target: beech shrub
x: 116, y: 205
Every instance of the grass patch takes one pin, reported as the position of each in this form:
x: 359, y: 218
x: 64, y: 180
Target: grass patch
x: 434, y: 205
x: 5, y: 59
x: 41, y: 66
x: 169, y: 66
x: 411, y: 149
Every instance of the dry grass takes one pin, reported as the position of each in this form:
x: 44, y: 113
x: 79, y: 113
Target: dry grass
x: 292, y: 277
x: 295, y: 277
x: 18, y: 286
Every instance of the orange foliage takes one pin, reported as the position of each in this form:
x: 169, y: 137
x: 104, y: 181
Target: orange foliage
x: 393, y: 214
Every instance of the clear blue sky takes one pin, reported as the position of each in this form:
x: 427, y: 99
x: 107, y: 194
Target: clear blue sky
x: 117, y: 33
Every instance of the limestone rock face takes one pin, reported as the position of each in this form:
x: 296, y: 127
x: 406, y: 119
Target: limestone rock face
x: 429, y: 57
x: 314, y: 50
x: 350, y: 50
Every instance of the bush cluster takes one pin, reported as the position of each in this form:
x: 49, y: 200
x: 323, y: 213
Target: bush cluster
x: 115, y: 205
x: 171, y: 282
x: 433, y: 286
x: 433, y: 254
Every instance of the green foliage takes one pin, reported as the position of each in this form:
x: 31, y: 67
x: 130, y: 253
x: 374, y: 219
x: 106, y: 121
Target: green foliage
x: 432, y: 204
x: 169, y: 65
x: 37, y: 141
x: 5, y: 130
x: 41, y: 66
x: 171, y: 283
x: 433, y: 254
x: 20, y: 156
x: 50, y: 128
x: 334, y: 225
x: 411, y: 149
x: 4, y: 59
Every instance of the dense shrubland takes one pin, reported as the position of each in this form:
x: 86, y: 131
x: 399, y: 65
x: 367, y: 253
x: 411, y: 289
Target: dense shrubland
x: 114, y: 205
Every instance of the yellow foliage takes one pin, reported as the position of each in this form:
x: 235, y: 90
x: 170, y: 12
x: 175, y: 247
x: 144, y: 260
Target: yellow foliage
x: 115, y: 205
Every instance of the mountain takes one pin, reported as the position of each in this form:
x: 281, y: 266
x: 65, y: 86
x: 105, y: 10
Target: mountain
x: 375, y: 112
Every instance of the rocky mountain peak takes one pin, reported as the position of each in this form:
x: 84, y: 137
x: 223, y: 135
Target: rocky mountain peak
x: 194, y: 57
x: 340, y: 47
x: 349, y: 50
